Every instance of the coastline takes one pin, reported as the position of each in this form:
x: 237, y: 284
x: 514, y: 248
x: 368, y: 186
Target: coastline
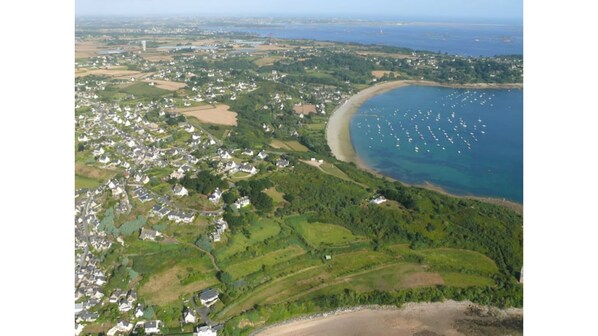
x: 339, y: 138
x: 410, y: 319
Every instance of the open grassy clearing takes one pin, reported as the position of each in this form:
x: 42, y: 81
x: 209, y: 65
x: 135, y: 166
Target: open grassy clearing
x: 86, y: 182
x: 260, y: 231
x: 448, y: 259
x: 318, y: 127
x: 240, y: 269
x: 291, y: 145
x: 276, y: 195
x: 93, y: 173
x: 322, y: 234
x: 331, y: 169
x: 170, y: 270
x: 385, y: 277
x: 168, y: 285
x: 145, y: 90
x: 455, y: 259
x: 465, y: 280
x: 268, y: 60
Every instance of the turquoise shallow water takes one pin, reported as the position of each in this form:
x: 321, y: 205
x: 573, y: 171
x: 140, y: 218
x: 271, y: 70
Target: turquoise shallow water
x: 469, y: 142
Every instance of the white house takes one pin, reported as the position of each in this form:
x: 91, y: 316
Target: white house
x: 139, y: 311
x: 104, y: 159
x: 248, y: 152
x: 242, y: 202
x: 179, y: 190
x: 152, y: 327
x: 208, y: 297
x: 282, y: 163
x: 246, y: 168
x: 205, y: 331
x: 378, y: 200
x: 78, y: 329
x: 215, y: 196
x: 188, y: 317
x: 124, y: 306
x: 262, y: 155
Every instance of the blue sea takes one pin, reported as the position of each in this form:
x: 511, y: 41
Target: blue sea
x: 455, y: 38
x: 469, y: 142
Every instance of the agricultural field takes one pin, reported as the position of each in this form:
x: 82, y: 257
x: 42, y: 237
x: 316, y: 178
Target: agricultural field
x: 243, y: 268
x: 291, y: 145
x: 258, y: 232
x: 145, y: 90
x: 86, y: 182
x: 218, y: 114
x: 322, y: 234
x: 170, y: 271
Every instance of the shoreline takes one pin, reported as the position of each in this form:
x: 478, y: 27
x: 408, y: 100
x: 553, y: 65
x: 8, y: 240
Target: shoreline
x: 410, y: 318
x: 338, y: 134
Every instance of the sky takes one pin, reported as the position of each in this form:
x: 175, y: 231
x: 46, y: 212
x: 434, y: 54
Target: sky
x: 391, y: 9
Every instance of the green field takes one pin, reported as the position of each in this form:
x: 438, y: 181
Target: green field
x: 465, y: 280
x: 331, y: 169
x: 260, y: 231
x: 458, y: 260
x: 170, y: 271
x: 86, y: 182
x: 292, y: 145
x: 321, y: 234
x: 243, y: 268
x: 145, y: 90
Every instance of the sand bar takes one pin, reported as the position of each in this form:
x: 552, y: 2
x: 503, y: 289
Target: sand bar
x: 440, y: 318
x: 339, y: 138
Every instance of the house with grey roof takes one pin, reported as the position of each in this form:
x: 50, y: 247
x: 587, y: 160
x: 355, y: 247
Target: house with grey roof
x: 208, y: 297
x: 152, y: 327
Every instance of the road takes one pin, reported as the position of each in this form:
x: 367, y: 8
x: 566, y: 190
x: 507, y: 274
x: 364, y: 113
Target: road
x: 81, y: 262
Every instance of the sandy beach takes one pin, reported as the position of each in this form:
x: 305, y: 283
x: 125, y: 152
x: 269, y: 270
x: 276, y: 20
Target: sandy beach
x: 339, y: 138
x: 448, y: 318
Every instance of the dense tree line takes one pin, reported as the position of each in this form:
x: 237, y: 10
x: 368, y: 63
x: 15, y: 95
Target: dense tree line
x: 204, y: 182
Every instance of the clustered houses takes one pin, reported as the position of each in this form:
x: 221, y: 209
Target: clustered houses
x: 135, y: 139
x: 89, y: 277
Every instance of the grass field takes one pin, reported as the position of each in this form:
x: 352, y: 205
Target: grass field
x: 262, y: 230
x: 318, y: 127
x: 457, y: 260
x: 94, y: 173
x: 240, y: 269
x: 170, y: 270
x: 321, y: 234
x: 465, y: 280
x: 292, y: 145
x: 145, y: 90
x: 448, y: 259
x: 276, y: 195
x: 86, y: 182
x: 331, y: 169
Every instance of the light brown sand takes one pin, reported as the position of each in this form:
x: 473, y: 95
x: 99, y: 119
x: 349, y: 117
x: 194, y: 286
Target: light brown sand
x: 448, y: 318
x: 218, y: 114
x: 339, y: 138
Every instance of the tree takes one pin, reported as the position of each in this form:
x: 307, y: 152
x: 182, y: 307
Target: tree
x: 229, y: 197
